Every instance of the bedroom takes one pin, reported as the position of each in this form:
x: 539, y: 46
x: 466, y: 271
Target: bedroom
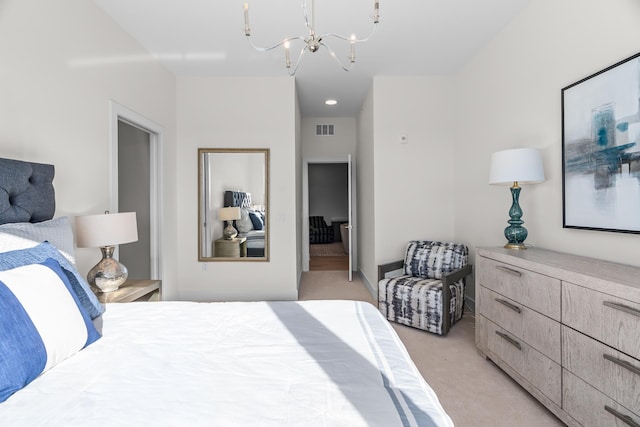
x: 508, y: 94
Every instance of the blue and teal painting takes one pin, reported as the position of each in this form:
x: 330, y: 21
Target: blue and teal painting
x: 601, y: 153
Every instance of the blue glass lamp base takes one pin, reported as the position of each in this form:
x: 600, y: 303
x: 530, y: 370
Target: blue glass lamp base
x: 515, y: 232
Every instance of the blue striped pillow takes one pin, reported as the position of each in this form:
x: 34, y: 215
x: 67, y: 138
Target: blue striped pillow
x: 42, y: 251
x: 41, y: 323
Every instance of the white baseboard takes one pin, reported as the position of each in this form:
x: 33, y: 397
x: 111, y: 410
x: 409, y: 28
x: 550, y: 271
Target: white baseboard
x: 372, y: 290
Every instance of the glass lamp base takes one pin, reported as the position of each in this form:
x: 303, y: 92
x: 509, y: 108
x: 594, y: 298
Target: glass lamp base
x: 109, y: 274
x: 229, y: 232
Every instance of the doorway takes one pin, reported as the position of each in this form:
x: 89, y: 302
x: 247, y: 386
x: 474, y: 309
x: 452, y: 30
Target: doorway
x: 134, y: 195
x: 328, y: 229
x: 136, y: 183
x: 328, y: 215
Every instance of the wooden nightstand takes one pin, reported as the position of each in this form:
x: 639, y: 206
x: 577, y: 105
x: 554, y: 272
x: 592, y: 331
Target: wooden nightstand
x: 233, y: 248
x: 134, y: 290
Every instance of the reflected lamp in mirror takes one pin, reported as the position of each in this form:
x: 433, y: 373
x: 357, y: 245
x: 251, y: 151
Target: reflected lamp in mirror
x: 229, y: 215
x: 105, y: 231
x: 515, y: 167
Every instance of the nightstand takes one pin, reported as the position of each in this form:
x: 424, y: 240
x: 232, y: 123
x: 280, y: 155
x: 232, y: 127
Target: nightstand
x: 233, y: 248
x: 133, y: 290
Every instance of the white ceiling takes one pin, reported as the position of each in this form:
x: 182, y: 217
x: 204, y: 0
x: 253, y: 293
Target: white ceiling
x: 418, y: 37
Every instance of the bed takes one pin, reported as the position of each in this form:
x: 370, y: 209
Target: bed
x: 170, y: 363
x: 252, y: 224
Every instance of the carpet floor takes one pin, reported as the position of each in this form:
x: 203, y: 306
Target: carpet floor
x: 473, y: 391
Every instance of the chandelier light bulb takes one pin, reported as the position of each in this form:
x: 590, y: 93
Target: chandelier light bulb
x: 287, y: 55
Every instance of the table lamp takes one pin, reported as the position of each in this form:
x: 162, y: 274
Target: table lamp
x: 229, y: 214
x: 106, y: 231
x: 514, y: 167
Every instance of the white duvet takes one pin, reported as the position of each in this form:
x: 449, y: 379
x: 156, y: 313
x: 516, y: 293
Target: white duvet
x: 313, y: 363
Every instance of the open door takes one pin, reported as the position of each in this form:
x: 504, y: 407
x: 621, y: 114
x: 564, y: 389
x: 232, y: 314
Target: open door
x: 350, y: 226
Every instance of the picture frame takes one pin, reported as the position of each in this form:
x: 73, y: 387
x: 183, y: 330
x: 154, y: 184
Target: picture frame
x: 601, y: 150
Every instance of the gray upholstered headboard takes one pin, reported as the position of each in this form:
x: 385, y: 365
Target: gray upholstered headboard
x: 237, y: 199
x: 26, y: 191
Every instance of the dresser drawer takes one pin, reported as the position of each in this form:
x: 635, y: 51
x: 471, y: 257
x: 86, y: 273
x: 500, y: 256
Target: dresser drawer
x: 591, y: 408
x: 540, y: 332
x: 537, y: 369
x: 613, y: 373
x: 537, y: 291
x: 612, y: 320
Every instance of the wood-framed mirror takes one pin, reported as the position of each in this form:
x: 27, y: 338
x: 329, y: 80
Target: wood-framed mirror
x: 233, y: 204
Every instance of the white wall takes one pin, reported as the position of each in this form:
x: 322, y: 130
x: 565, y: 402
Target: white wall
x: 365, y: 184
x: 239, y: 113
x: 339, y: 145
x: 299, y: 197
x: 57, y: 75
x: 414, y: 181
x: 405, y: 189
x: 509, y: 96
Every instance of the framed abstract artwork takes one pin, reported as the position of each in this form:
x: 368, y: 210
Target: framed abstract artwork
x: 601, y: 150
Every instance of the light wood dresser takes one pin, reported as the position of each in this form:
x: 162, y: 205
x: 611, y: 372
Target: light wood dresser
x: 566, y: 328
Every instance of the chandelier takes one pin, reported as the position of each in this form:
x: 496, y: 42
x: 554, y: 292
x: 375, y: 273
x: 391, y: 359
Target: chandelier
x: 312, y: 42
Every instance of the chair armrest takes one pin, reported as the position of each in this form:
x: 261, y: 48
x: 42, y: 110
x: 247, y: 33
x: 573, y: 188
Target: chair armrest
x: 447, y: 280
x: 455, y: 275
x: 383, y: 269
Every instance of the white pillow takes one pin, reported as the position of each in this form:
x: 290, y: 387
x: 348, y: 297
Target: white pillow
x: 244, y: 224
x: 56, y: 231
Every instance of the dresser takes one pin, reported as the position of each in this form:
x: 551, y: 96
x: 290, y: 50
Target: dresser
x: 566, y: 328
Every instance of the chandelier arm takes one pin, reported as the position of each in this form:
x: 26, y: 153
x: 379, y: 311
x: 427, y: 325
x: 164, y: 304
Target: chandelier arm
x: 295, y: 68
x: 341, y: 37
x: 280, y: 43
x: 333, y: 55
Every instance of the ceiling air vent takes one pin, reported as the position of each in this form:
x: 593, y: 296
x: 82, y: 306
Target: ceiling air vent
x: 324, y: 129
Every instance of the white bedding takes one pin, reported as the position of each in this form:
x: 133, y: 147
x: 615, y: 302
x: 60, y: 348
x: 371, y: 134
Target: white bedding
x: 255, y: 238
x: 313, y: 363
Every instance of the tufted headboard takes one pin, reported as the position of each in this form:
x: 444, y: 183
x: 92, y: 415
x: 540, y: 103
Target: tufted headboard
x: 26, y: 191
x: 237, y: 199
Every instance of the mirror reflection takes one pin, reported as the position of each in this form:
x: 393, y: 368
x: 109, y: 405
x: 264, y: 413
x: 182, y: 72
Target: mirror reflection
x: 233, y: 200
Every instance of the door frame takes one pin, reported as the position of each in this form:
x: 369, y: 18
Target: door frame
x: 118, y: 112
x: 305, y: 208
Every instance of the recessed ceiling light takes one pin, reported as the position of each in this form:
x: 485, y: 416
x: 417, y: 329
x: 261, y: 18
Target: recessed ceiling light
x: 331, y: 102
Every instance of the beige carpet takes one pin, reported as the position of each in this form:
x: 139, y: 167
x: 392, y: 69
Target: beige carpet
x: 473, y: 391
x: 327, y: 249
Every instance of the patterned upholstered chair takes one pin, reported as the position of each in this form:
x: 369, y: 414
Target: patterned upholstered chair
x: 319, y: 231
x: 429, y: 295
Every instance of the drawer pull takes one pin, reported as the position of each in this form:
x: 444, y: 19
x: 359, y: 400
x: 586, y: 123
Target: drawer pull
x: 622, y: 363
x: 509, y: 270
x: 508, y: 305
x: 510, y: 340
x: 622, y: 307
x: 622, y: 417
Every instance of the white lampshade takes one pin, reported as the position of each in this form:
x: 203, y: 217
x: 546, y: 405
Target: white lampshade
x: 522, y: 165
x: 229, y: 214
x: 106, y: 229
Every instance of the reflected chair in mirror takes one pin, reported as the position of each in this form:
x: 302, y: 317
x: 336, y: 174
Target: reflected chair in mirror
x: 319, y: 231
x: 429, y: 293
